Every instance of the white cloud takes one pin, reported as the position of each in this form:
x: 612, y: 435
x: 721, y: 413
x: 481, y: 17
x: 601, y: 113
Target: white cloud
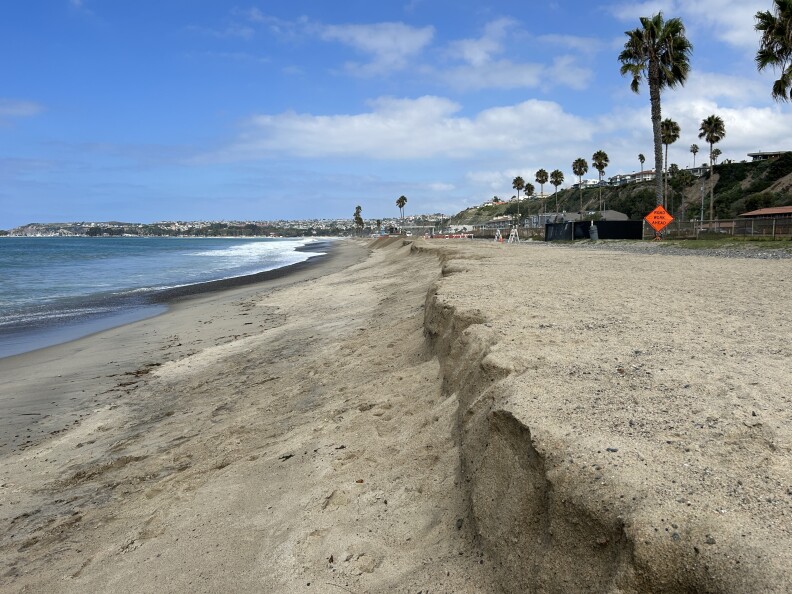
x: 494, y: 181
x: 725, y: 87
x: 401, y: 129
x: 632, y: 11
x: 480, y: 51
x: 482, y: 69
x: 389, y: 45
x: 441, y: 187
x: 731, y: 21
x: 10, y: 108
x: 501, y: 74
x: 567, y: 72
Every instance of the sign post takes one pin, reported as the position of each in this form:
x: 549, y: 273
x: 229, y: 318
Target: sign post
x: 658, y: 220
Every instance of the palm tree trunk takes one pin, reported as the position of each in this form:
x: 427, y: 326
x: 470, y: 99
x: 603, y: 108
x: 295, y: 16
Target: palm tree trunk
x: 654, y: 98
x: 665, y: 179
x: 600, y: 192
x: 518, y: 208
x: 712, y: 187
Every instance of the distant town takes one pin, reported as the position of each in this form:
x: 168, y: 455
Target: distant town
x: 280, y: 228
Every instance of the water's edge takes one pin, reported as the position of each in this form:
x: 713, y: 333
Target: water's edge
x: 17, y: 341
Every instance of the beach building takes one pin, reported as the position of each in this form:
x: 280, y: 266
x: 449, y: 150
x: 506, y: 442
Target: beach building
x: 501, y: 222
x: 767, y: 213
x: 604, y: 215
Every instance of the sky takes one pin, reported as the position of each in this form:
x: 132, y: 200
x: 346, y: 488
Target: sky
x: 216, y: 110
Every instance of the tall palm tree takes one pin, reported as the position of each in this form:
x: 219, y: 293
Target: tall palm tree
x: 518, y: 184
x: 401, y: 201
x: 579, y: 168
x: 715, y: 154
x: 358, y: 218
x: 694, y: 149
x: 541, y: 179
x: 600, y: 161
x: 529, y: 190
x: 556, y: 178
x: 775, y: 47
x: 659, y: 52
x: 669, y: 134
x: 642, y: 159
x: 713, y: 131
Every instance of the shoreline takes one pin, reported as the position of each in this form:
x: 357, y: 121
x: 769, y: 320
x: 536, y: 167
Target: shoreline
x: 17, y: 341
x: 27, y: 378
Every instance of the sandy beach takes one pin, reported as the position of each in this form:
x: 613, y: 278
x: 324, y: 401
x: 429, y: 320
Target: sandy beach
x: 417, y: 416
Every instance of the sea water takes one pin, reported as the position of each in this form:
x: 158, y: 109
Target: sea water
x: 54, y: 289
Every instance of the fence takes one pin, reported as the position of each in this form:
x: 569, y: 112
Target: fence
x: 774, y: 228
x: 748, y: 228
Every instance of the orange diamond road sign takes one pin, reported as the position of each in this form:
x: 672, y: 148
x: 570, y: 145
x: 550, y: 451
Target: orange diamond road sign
x: 658, y: 219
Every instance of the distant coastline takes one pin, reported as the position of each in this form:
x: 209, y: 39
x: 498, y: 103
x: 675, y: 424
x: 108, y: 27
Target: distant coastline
x: 228, y: 228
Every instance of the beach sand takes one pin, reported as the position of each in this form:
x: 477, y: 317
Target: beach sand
x: 433, y: 416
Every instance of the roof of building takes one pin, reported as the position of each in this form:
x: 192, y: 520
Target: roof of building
x: 766, y: 153
x: 769, y: 212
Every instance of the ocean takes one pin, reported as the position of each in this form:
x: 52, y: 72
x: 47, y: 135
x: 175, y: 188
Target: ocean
x: 54, y: 289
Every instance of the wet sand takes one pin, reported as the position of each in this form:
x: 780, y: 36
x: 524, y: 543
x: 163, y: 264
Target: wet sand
x: 46, y: 389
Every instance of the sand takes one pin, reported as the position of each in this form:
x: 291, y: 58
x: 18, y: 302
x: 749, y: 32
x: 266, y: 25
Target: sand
x: 417, y: 416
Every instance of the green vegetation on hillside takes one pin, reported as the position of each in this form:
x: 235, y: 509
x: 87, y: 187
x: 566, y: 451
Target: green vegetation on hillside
x: 739, y: 188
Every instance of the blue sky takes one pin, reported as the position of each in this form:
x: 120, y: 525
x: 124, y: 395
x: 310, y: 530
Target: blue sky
x: 177, y: 109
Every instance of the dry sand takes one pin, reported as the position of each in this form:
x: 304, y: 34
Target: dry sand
x: 438, y: 417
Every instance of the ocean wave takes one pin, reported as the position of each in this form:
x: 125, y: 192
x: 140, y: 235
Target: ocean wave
x: 40, y: 317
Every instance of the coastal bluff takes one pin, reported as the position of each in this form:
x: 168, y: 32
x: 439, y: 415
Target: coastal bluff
x: 421, y: 415
x: 624, y: 418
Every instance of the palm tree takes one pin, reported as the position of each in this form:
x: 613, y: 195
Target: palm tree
x: 715, y: 154
x: 518, y: 184
x: 528, y: 190
x: 600, y: 161
x: 712, y: 130
x: 669, y: 134
x: 694, y: 150
x: 775, y: 47
x: 642, y: 159
x: 556, y: 178
x: 579, y: 168
x: 401, y: 201
x: 358, y: 218
x: 660, y: 52
x: 541, y: 179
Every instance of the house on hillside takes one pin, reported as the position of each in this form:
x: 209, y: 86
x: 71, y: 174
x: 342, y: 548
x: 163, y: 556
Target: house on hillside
x: 588, y: 183
x: 765, y: 156
x: 698, y: 171
x: 631, y: 178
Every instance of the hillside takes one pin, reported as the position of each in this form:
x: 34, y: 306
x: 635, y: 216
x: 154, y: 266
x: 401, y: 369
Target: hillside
x: 739, y: 188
